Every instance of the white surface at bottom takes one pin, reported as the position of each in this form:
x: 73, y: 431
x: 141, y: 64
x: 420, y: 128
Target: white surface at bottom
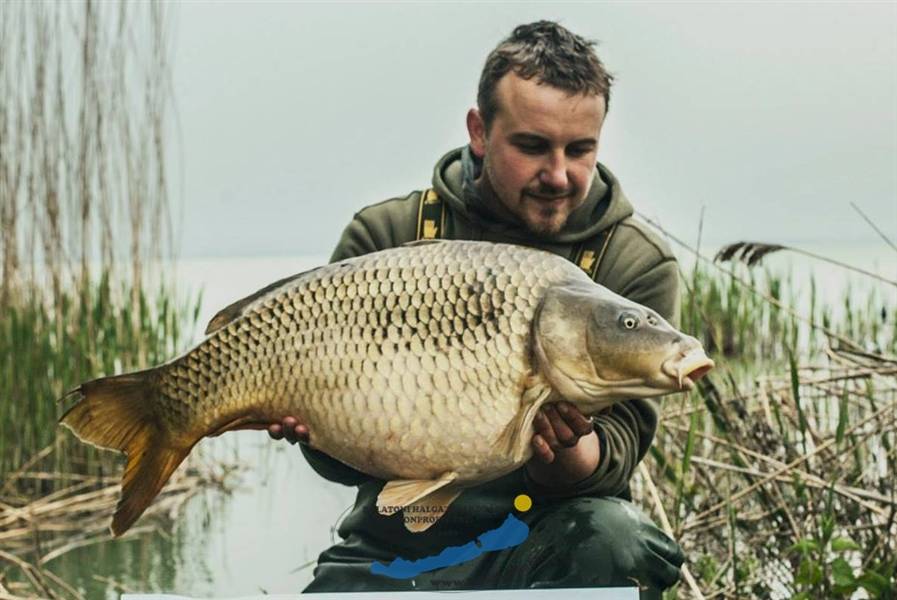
x: 565, y: 594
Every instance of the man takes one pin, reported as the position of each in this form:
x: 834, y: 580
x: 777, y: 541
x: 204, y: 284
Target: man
x: 528, y: 176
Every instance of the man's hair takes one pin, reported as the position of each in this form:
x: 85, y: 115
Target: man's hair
x: 549, y: 52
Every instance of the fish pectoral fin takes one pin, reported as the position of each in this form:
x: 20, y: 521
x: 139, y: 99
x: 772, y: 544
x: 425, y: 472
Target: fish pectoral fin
x: 510, y: 441
x: 400, y: 493
x: 423, y: 514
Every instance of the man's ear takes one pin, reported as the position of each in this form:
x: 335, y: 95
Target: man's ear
x: 477, y: 131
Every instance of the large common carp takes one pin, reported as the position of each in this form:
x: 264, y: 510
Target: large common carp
x: 422, y: 365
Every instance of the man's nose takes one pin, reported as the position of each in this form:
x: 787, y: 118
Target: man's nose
x: 554, y: 172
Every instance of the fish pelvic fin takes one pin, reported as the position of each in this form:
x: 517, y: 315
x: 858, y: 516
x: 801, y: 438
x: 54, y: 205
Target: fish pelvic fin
x: 423, y: 514
x: 398, y: 494
x: 120, y: 413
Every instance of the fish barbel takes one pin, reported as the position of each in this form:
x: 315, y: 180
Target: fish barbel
x: 422, y: 365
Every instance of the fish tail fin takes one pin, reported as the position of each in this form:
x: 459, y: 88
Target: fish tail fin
x: 121, y: 413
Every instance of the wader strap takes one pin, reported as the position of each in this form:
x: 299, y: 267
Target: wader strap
x: 430, y: 216
x: 587, y: 255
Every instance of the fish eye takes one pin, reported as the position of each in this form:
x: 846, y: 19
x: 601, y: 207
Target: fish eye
x: 629, y: 320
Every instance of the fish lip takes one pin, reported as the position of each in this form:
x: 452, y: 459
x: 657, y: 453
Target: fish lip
x: 685, y: 368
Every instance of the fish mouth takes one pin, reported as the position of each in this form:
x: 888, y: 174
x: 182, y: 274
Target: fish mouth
x: 688, y: 367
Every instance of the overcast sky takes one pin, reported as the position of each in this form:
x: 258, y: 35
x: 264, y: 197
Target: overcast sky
x: 773, y: 117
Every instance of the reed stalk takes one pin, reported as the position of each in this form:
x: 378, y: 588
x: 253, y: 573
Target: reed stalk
x: 83, y: 207
x: 84, y: 101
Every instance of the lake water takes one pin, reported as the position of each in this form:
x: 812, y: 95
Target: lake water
x: 262, y: 537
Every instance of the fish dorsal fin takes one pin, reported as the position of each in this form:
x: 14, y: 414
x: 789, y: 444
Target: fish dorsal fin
x: 422, y: 243
x: 423, y: 514
x: 232, y: 311
x: 400, y: 493
x: 512, y: 442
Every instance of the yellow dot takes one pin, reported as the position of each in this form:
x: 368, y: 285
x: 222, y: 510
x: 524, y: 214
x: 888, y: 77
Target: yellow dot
x: 523, y: 503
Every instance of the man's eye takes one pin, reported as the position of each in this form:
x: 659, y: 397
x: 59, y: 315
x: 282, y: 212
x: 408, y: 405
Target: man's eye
x: 578, y: 151
x: 528, y: 149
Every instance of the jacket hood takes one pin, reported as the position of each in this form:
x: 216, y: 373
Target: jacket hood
x: 604, y: 205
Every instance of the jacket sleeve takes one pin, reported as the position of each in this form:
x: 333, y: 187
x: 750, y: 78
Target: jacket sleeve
x: 627, y: 428
x: 360, y: 237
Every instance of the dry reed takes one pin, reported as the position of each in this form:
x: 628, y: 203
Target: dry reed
x: 84, y: 89
x: 84, y: 94
x: 780, y: 481
x: 36, y: 530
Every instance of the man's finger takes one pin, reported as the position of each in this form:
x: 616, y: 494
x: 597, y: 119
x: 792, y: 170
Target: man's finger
x: 541, y: 450
x: 579, y: 423
x: 289, y: 429
x: 562, y: 432
x: 301, y: 432
x: 275, y: 431
x: 545, y: 429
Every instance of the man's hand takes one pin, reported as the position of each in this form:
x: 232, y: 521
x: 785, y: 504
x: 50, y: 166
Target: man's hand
x: 290, y: 429
x: 565, y: 447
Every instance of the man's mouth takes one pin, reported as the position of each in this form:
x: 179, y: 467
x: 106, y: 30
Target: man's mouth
x: 549, y: 199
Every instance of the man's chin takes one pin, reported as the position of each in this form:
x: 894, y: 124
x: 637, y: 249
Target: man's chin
x: 546, y: 220
x: 545, y: 227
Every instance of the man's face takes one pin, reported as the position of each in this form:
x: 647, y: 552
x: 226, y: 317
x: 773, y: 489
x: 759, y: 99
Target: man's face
x: 539, y: 154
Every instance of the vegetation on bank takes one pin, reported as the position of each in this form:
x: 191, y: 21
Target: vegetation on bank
x: 47, y: 350
x: 83, y: 286
x: 83, y: 207
x: 778, y: 475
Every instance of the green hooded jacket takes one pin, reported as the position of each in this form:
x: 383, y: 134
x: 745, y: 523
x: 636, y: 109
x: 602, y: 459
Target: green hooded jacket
x: 636, y: 264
